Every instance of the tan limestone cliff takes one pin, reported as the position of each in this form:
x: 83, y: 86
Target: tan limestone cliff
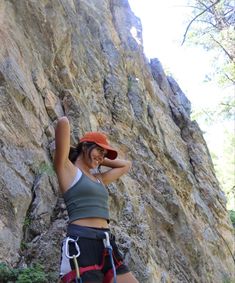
x: 84, y: 59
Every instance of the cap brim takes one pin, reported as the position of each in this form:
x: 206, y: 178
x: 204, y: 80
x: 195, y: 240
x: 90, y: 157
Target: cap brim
x: 112, y: 153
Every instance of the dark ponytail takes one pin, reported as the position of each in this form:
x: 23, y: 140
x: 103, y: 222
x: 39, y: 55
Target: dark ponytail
x: 74, y: 152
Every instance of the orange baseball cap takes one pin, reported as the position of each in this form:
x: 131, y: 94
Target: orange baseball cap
x: 101, y: 140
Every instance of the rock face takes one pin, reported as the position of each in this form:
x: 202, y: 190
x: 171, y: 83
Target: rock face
x: 84, y: 59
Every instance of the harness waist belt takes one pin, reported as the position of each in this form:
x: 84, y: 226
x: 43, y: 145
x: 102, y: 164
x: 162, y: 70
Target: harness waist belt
x: 75, y: 230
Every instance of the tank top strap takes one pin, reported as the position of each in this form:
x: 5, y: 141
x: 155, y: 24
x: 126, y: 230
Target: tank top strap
x: 76, y: 178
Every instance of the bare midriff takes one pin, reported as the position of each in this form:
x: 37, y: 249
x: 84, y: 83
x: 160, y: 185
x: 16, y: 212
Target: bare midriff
x: 92, y: 222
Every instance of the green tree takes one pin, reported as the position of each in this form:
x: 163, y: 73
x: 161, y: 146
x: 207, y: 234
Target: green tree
x: 212, y: 26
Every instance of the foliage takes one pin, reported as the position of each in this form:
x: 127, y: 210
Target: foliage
x: 46, y: 168
x: 23, y: 245
x: 227, y: 280
x: 27, y: 221
x: 212, y: 26
x: 34, y: 274
x: 227, y: 107
x: 223, y: 111
x: 7, y: 274
x: 232, y: 217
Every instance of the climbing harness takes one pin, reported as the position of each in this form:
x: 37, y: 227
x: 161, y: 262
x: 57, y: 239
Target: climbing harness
x: 108, y: 250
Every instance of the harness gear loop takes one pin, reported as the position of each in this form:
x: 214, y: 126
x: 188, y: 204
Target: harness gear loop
x: 77, y: 269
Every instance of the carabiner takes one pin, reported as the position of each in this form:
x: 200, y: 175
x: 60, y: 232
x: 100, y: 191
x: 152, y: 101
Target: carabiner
x: 68, y: 239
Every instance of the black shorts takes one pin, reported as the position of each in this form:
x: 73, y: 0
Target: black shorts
x: 92, y: 254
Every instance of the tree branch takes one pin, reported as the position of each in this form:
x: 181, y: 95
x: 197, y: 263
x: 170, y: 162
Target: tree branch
x: 220, y: 45
x: 204, y: 5
x: 227, y: 104
x: 229, y: 11
x: 185, y: 34
x: 230, y: 79
x: 208, y: 22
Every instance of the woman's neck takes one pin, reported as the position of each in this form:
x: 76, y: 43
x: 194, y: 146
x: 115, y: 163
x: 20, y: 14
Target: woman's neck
x: 82, y: 165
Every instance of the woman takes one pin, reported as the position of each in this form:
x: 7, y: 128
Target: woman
x: 89, y: 251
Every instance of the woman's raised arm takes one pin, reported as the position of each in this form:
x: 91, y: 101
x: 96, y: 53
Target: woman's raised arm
x: 62, y: 143
x: 118, y: 168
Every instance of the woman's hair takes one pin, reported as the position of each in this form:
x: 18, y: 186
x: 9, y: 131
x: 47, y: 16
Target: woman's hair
x: 79, y: 149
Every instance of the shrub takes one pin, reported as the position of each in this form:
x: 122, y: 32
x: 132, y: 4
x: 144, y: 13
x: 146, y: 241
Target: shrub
x: 33, y: 274
x: 232, y: 217
x: 7, y: 274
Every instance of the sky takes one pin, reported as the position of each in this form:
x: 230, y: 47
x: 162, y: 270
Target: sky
x: 164, y: 23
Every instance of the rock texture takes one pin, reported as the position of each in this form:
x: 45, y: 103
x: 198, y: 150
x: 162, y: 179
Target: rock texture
x: 84, y: 59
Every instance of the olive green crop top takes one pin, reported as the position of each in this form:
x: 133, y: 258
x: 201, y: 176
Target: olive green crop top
x: 86, y: 198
